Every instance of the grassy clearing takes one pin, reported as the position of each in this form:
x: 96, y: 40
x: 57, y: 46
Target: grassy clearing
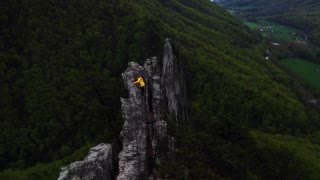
x: 309, y: 71
x: 276, y: 31
x: 231, y: 11
x: 252, y: 25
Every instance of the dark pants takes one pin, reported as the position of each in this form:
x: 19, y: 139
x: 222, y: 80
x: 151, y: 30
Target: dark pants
x: 142, y: 90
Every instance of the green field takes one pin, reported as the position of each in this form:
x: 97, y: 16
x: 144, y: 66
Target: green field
x: 252, y: 25
x: 309, y: 71
x: 231, y: 11
x: 276, y: 31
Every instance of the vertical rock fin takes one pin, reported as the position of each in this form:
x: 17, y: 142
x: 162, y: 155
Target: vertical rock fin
x: 145, y: 130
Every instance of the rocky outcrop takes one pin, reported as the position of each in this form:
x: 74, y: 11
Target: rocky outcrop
x: 173, y: 83
x: 96, y: 166
x: 146, y: 113
x: 145, y: 133
x: 132, y: 158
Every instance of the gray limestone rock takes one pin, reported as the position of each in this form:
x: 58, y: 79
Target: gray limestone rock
x: 132, y: 158
x: 145, y: 131
x: 96, y: 166
x: 173, y: 83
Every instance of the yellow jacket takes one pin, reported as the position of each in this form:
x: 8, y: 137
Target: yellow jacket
x: 140, y: 81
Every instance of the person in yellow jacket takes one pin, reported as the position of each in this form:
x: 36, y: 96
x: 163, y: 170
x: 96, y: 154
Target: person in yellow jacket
x: 141, y: 84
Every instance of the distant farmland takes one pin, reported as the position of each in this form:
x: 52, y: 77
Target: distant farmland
x: 276, y: 31
x: 309, y: 71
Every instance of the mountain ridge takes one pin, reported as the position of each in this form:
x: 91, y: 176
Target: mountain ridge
x: 62, y: 85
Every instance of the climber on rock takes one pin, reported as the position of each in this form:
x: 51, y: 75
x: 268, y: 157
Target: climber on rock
x: 141, y: 84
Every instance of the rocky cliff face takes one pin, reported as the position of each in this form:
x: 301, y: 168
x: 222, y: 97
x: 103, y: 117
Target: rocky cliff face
x: 96, y: 166
x: 132, y: 158
x: 146, y: 114
x: 173, y: 85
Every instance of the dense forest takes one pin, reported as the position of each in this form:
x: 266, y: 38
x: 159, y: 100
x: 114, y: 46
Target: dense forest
x: 61, y: 65
x: 299, y: 13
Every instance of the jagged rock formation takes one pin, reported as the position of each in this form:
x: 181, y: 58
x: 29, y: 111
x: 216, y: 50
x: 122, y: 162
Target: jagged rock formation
x: 96, y: 166
x: 145, y: 131
x: 132, y: 158
x: 146, y: 114
x: 173, y: 83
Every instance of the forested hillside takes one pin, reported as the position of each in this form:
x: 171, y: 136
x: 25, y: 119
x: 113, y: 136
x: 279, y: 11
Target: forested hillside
x: 60, y: 69
x: 299, y: 13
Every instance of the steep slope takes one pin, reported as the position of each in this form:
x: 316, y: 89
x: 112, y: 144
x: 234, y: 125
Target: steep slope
x: 299, y: 13
x: 61, y: 84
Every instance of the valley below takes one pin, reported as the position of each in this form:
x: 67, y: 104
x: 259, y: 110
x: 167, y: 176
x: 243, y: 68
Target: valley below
x: 284, y: 39
x: 160, y: 89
